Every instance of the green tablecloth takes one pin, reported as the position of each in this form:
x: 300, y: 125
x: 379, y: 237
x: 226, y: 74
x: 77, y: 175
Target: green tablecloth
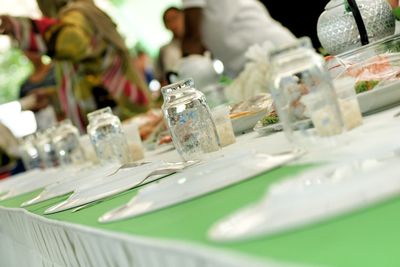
x: 366, y: 238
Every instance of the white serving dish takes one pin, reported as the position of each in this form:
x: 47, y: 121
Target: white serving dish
x: 379, y: 98
x: 277, y: 127
x: 246, y: 123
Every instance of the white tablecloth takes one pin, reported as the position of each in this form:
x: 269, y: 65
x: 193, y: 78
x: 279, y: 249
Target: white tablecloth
x: 30, y: 240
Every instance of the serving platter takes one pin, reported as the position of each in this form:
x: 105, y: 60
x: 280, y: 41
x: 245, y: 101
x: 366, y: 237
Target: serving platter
x: 379, y: 98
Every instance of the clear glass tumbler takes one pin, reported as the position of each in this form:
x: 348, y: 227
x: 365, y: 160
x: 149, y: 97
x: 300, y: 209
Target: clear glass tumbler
x: 302, y: 89
x: 223, y: 124
x: 348, y: 102
x: 135, y: 145
x: 107, y: 137
x: 189, y: 120
x: 66, y: 144
x: 46, y: 149
x: 29, y: 153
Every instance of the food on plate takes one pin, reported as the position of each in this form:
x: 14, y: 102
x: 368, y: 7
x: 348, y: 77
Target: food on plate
x: 251, y: 106
x: 371, y: 73
x: 363, y: 86
x: 240, y: 114
x: 377, y: 65
x: 147, y: 122
x: 269, y: 124
x: 271, y: 118
x: 165, y: 140
x: 151, y: 125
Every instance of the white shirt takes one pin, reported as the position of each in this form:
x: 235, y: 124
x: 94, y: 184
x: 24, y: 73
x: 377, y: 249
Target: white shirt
x: 230, y: 27
x: 169, y: 57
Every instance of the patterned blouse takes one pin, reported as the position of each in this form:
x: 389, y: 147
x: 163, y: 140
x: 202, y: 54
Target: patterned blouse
x: 84, y: 60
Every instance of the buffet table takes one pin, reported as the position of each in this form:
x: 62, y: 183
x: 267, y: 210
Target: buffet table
x: 177, y: 236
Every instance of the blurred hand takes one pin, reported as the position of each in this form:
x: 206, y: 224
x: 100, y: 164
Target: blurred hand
x: 36, y: 100
x: 42, y: 99
x: 6, y: 26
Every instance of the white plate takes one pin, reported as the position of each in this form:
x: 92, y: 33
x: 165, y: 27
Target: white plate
x: 277, y: 127
x: 245, y: 123
x: 379, y: 98
x: 264, y: 130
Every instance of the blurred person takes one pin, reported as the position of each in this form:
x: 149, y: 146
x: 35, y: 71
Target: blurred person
x: 42, y: 76
x: 142, y: 62
x: 42, y: 81
x: 171, y: 53
x: 89, y: 53
x: 228, y: 28
x: 9, y: 155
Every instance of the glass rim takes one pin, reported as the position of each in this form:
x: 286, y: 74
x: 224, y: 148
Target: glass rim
x: 301, y: 43
x: 188, y: 82
x: 93, y: 114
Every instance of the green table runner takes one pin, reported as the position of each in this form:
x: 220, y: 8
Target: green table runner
x: 367, y: 238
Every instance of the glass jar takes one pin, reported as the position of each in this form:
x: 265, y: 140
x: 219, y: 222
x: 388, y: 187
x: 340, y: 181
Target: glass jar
x: 107, y: 137
x: 66, y: 144
x: 29, y: 153
x: 337, y: 28
x: 302, y: 90
x: 46, y: 149
x: 189, y: 120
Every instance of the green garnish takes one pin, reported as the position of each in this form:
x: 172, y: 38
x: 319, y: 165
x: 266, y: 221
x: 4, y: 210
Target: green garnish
x: 270, y: 119
x: 396, y: 13
x: 363, y: 86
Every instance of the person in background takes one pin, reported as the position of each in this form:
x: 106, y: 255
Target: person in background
x: 42, y: 81
x: 170, y: 54
x: 9, y: 156
x: 89, y: 53
x: 228, y: 28
x: 143, y: 64
x: 43, y: 75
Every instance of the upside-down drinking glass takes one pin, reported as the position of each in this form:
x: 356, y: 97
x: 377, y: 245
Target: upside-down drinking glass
x: 107, y: 137
x: 189, y: 120
x: 302, y: 89
x: 66, y: 144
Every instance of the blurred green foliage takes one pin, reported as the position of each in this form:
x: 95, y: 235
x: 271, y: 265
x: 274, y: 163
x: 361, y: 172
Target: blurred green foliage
x: 14, y: 69
x: 117, y: 2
